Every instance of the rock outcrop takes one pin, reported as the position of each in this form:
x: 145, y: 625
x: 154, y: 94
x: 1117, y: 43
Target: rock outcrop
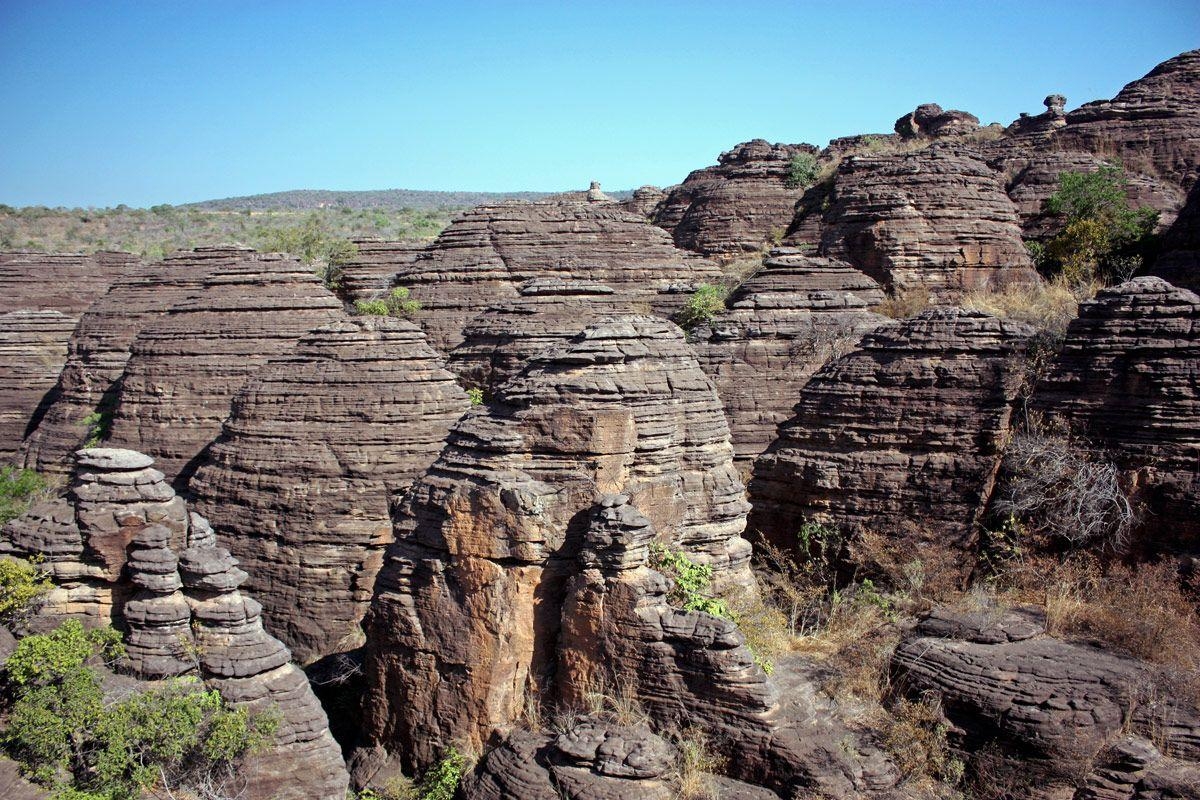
x: 549, y: 311
x: 373, y: 268
x: 300, y: 482
x: 63, y: 282
x: 930, y: 120
x: 33, y: 349
x: 936, y: 219
x: 1128, y: 380
x: 737, y: 205
x: 1044, y: 708
x: 783, y: 323
x: 645, y: 201
x: 124, y: 550
x: 185, y: 366
x: 901, y: 437
x: 99, y: 350
x: 1053, y: 118
x: 1179, y: 263
x: 486, y: 254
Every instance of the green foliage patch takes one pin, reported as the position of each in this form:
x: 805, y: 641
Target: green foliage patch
x: 397, y: 303
x: 18, y: 489
x: 802, y: 171
x: 704, y: 304
x: 21, y: 583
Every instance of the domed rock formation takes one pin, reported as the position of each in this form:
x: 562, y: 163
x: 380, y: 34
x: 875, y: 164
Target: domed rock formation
x: 737, y: 205
x: 64, y: 282
x: 99, y: 350
x: 782, y: 324
x: 317, y: 445
x: 929, y: 119
x: 549, y: 311
x: 373, y: 268
x: 901, y: 437
x: 185, y: 366
x: 936, y: 219
x: 1128, y: 380
x: 645, y: 201
x: 488, y: 252
x: 33, y: 349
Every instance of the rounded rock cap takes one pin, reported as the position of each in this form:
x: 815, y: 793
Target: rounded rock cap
x: 112, y: 458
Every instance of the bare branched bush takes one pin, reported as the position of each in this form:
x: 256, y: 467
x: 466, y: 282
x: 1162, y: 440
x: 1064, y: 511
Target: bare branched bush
x: 916, y: 736
x: 1059, y: 489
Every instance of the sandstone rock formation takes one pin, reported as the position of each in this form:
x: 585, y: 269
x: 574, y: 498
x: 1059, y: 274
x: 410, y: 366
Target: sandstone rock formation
x: 785, y: 321
x: 124, y: 550
x: 737, y: 205
x: 33, y: 349
x: 936, y: 219
x: 374, y: 267
x: 901, y: 437
x: 929, y: 119
x: 645, y: 201
x: 1053, y: 118
x: 185, y: 366
x: 99, y: 350
x: 318, y: 444
x: 64, y: 282
x: 1045, y: 708
x: 501, y: 341
x: 1179, y: 263
x: 1128, y: 381
x: 486, y: 254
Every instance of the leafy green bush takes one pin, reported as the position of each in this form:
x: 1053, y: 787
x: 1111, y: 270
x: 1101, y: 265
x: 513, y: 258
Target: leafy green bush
x: 1105, y: 238
x: 21, y: 583
x: 475, y: 396
x: 398, y: 303
x: 68, y: 736
x: 802, y: 171
x: 691, y: 582
x: 18, y: 488
x: 704, y: 304
x: 440, y: 782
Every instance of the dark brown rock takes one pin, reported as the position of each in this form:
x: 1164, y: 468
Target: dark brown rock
x: 33, y: 349
x: 1179, y: 263
x: 929, y: 119
x: 486, y: 254
x: 737, y: 205
x: 783, y: 323
x: 317, y: 445
x: 64, y: 282
x: 645, y: 201
x: 1128, y: 381
x: 185, y: 366
x: 374, y: 267
x: 1053, y: 118
x: 901, y: 436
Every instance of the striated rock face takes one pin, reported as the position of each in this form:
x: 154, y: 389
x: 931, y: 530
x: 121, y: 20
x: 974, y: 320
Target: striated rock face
x: 549, y: 311
x: 906, y: 429
x: 737, y: 205
x: 937, y: 218
x: 465, y: 617
x: 99, y: 350
x: 185, y: 367
x: 1151, y: 126
x: 1047, y: 707
x: 1053, y: 118
x: 318, y: 444
x: 123, y: 549
x: 33, y: 349
x: 374, y: 268
x: 645, y: 201
x: 783, y: 323
x: 486, y: 254
x: 64, y: 282
x: 929, y: 119
x: 1128, y: 380
x: 1179, y: 263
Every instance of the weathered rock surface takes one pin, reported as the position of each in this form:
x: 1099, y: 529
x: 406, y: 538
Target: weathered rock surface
x: 318, y: 444
x: 1151, y: 126
x: 783, y: 323
x: 901, y: 436
x: 549, y: 311
x: 64, y: 282
x: 936, y: 218
x: 738, y: 204
x: 372, y: 270
x: 645, y: 201
x: 99, y: 350
x: 124, y: 550
x: 1053, y: 118
x: 1047, y: 707
x: 486, y: 254
x: 1128, y: 380
x: 185, y: 366
x: 929, y: 119
x: 33, y: 349
x: 1179, y: 263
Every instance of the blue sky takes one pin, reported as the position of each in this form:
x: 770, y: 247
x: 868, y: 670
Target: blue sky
x: 170, y: 101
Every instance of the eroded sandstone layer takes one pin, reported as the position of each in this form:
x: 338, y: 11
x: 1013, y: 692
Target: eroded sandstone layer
x: 1179, y: 263
x: 185, y: 366
x: 317, y: 446
x: 373, y: 268
x: 901, y: 437
x: 33, y: 349
x: 486, y: 254
x: 65, y: 282
x: 736, y: 205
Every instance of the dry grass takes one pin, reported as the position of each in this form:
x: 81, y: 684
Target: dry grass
x: 1048, y: 306
x: 905, y: 303
x: 695, y: 766
x: 916, y: 735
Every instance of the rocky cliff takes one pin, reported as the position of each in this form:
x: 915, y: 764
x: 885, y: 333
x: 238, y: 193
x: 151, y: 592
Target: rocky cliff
x: 33, y: 349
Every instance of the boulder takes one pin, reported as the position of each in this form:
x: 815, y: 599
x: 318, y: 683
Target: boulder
x: 929, y: 119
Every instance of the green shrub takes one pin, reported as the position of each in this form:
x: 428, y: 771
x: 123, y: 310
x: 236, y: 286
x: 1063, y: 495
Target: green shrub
x: 440, y: 782
x: 802, y: 171
x: 21, y: 583
x: 475, y: 396
x: 98, y: 424
x: 398, y: 303
x: 691, y: 582
x: 18, y: 489
x: 704, y: 304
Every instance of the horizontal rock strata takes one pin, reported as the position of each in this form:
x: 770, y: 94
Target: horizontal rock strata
x: 64, y: 282
x: 1179, y: 263
x: 33, y: 349
x: 374, y: 267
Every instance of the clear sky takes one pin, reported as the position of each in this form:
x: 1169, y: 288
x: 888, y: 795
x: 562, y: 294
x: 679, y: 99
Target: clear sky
x: 105, y: 102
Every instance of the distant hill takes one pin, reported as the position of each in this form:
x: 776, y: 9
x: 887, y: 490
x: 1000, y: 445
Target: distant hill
x: 387, y: 199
